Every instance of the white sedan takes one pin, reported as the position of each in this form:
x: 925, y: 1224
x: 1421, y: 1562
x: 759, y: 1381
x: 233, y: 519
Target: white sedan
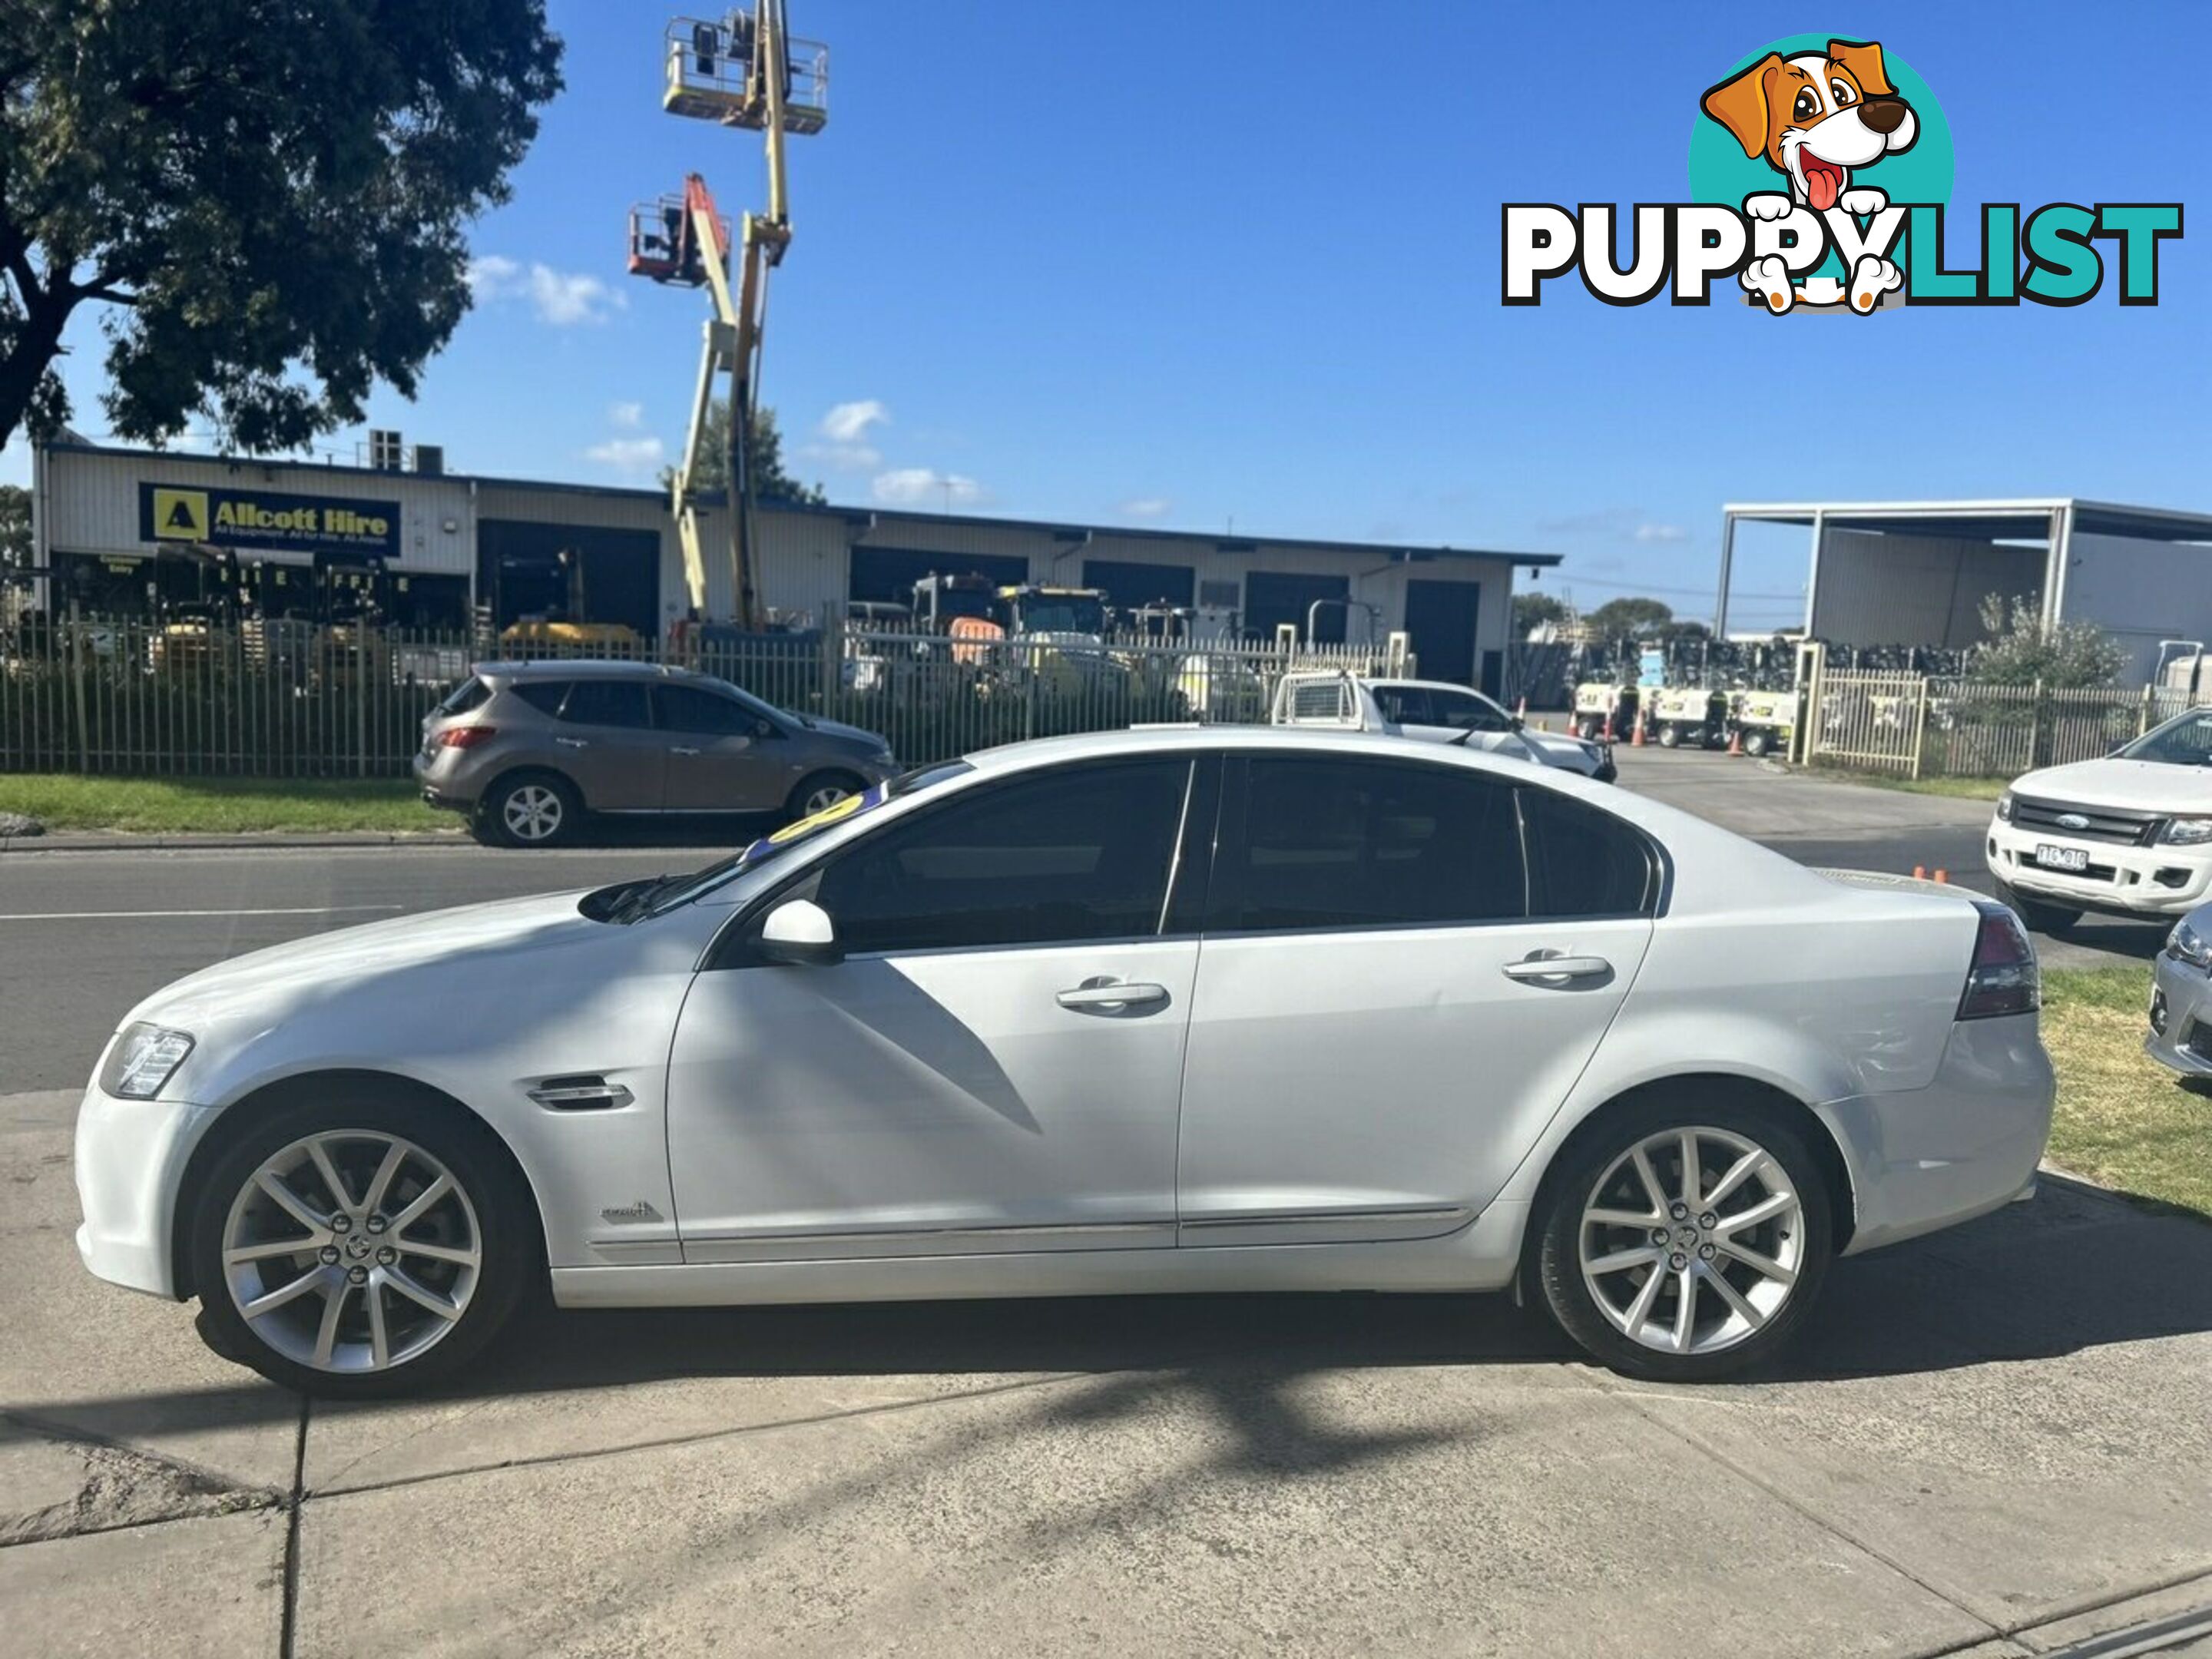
x: 1172, y: 1010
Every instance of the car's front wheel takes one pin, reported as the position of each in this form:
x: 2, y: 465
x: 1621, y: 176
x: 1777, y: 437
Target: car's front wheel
x: 360, y: 1245
x: 820, y: 791
x: 1685, y: 1241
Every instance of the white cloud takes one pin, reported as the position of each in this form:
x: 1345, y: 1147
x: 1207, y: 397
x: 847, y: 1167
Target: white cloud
x: 922, y: 486
x: 1147, y: 506
x: 628, y: 417
x: 847, y: 424
x: 1625, y: 524
x: 843, y: 457
x: 563, y: 299
x: 634, y: 456
x: 15, y: 461
x: 1661, y: 532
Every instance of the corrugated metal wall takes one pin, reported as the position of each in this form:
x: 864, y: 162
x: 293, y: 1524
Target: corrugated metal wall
x: 1875, y: 588
x: 2141, y: 593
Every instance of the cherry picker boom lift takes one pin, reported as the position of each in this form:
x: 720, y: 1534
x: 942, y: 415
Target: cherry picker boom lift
x: 740, y: 70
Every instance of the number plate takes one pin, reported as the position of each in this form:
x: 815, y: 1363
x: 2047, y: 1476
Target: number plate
x: 2050, y: 857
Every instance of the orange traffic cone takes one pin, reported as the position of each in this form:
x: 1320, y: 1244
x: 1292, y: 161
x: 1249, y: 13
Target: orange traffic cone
x: 1736, y: 740
x: 1637, y: 742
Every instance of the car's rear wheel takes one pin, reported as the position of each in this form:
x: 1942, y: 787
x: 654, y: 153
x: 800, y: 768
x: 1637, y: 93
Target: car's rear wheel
x: 1669, y: 736
x: 2041, y: 916
x: 1757, y: 742
x: 1684, y: 1241
x: 529, y: 809
x: 818, y: 792
x: 359, y: 1245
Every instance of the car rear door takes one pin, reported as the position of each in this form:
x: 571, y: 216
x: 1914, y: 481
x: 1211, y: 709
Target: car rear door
x: 996, y: 1065
x: 1406, y: 965
x: 721, y: 755
x: 605, y: 741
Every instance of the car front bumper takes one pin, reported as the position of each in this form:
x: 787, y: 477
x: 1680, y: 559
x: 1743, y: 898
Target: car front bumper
x: 2180, y: 1017
x: 1922, y: 1159
x: 2129, y: 881
x: 130, y: 1156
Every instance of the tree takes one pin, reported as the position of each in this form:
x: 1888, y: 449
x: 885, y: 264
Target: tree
x: 1629, y: 618
x: 763, y: 459
x: 1532, y: 610
x: 269, y: 199
x: 2020, y: 651
x: 14, y: 527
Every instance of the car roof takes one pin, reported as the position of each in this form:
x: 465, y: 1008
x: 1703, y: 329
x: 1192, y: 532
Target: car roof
x: 583, y: 668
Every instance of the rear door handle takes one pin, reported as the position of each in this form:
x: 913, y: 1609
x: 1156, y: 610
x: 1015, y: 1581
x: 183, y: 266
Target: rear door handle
x: 1542, y: 968
x: 1106, y: 994
x: 573, y: 743
x: 680, y: 750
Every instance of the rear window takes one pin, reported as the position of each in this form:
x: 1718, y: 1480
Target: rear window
x: 1319, y: 699
x: 471, y: 693
x: 1584, y: 862
x: 543, y: 696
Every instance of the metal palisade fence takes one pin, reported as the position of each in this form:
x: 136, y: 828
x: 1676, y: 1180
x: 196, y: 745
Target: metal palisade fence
x: 282, y: 700
x: 1916, y: 726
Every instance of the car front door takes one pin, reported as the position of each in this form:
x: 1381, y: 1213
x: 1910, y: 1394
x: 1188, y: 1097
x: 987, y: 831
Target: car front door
x: 1377, y: 1039
x: 605, y: 741
x: 996, y: 1063
x: 722, y: 755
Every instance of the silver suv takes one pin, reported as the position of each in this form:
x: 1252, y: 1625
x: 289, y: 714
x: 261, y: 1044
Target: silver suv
x: 527, y: 749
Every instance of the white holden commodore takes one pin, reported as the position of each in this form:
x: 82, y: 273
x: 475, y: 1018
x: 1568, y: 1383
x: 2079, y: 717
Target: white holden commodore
x: 1193, y: 1010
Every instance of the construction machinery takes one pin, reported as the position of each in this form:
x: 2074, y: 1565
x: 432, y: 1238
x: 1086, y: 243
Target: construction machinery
x: 742, y: 70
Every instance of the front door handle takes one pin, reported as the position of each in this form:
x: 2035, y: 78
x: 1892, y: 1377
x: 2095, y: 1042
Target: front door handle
x: 1543, y: 967
x: 573, y: 743
x: 680, y: 749
x: 1107, y: 995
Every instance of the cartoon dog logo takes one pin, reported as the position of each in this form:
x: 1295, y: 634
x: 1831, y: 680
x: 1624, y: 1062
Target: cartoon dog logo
x: 1816, y: 119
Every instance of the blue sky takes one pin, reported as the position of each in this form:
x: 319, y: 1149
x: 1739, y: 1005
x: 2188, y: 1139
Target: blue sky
x: 1181, y: 264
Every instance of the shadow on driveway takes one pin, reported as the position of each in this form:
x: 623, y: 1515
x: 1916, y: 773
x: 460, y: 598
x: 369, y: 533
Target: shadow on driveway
x: 2077, y: 1269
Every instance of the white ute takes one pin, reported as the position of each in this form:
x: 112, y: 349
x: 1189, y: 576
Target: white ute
x: 1430, y: 711
x: 2130, y: 835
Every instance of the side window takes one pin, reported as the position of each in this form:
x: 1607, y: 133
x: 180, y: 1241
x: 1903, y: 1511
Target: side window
x: 607, y: 703
x: 687, y: 709
x: 1585, y: 862
x: 1408, y: 705
x: 1470, y: 713
x: 1350, y: 844
x: 543, y: 696
x: 1072, y: 855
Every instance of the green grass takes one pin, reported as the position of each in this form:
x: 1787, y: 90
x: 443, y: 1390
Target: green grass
x: 219, y: 805
x: 2123, y: 1121
x: 1959, y: 788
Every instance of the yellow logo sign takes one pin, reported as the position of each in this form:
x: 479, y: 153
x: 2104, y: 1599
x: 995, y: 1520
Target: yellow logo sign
x: 180, y: 515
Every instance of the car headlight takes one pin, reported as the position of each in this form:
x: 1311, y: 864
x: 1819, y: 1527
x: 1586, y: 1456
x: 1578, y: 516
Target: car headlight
x: 144, y: 1058
x: 2186, y: 944
x: 2004, y: 808
x: 2187, y: 832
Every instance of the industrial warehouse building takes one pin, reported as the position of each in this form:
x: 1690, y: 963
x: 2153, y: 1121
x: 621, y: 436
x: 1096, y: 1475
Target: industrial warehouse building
x: 1916, y: 573
x: 115, y: 530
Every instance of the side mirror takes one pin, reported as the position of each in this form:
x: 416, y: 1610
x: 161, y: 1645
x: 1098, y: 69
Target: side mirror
x: 798, y: 933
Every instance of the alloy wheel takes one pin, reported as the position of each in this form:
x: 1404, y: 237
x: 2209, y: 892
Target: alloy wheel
x: 1692, y: 1241
x: 531, y: 812
x: 822, y: 799
x: 352, y: 1251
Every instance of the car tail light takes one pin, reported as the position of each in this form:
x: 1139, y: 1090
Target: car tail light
x: 467, y: 737
x: 2003, y: 979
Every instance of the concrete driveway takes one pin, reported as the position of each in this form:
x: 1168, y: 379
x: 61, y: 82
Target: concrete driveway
x: 1998, y: 1441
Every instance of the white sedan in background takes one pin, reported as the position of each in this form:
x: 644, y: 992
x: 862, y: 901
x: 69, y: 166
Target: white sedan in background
x: 1172, y: 1010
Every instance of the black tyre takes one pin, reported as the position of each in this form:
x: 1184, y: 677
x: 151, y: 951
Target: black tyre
x: 2040, y: 915
x: 1670, y: 737
x: 1684, y: 1283
x: 381, y: 1289
x: 1757, y: 741
x: 529, y: 809
x: 817, y: 792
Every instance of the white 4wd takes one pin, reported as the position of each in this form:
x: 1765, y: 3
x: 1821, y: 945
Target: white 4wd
x: 2130, y: 835
x: 1435, y: 711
